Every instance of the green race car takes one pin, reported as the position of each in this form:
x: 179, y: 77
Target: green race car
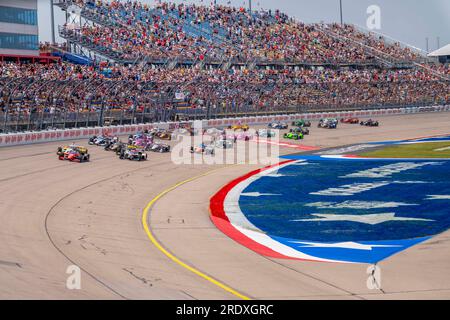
x: 302, y: 130
x: 293, y: 136
x: 301, y: 123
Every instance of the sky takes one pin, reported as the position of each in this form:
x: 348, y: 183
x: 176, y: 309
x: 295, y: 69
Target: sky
x: 407, y: 21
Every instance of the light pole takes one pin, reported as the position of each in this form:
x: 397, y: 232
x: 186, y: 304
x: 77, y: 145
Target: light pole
x: 52, y: 19
x: 340, y: 11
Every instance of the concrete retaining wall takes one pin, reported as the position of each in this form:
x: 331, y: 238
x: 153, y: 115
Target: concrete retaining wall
x: 24, y: 138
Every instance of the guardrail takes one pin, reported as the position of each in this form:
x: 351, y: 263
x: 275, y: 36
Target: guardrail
x: 24, y: 138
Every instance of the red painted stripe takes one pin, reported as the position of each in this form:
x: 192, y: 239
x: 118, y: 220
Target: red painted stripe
x: 221, y: 221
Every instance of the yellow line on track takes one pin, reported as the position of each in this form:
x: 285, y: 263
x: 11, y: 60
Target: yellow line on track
x: 155, y: 242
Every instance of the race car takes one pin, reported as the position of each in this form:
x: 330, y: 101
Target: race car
x: 133, y: 153
x: 144, y: 142
x: 278, y: 125
x: 350, y: 120
x: 91, y: 140
x: 214, y: 132
x: 203, y: 149
x: 224, y: 144
x: 115, y: 147
x: 328, y: 123
x: 302, y: 130
x: 235, y: 127
x: 293, y: 136
x: 164, y: 135
x: 301, y: 123
x: 158, y: 147
x: 73, y: 153
x: 111, y: 143
x: 370, y: 123
x: 61, y: 150
x: 100, y: 140
x: 243, y: 136
x: 266, y: 133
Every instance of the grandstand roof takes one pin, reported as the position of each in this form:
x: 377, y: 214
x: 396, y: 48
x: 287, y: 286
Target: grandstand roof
x: 444, y: 51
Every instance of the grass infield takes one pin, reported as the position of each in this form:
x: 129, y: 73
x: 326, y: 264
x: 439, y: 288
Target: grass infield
x: 416, y: 150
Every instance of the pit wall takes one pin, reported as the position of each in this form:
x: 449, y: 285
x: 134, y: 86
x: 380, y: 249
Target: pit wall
x: 24, y: 138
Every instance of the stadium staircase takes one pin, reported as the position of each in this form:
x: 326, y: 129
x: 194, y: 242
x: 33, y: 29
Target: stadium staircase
x: 384, y: 59
x: 202, y: 30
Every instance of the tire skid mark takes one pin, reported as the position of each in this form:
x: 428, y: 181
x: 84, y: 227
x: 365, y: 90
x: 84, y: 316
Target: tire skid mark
x: 61, y: 251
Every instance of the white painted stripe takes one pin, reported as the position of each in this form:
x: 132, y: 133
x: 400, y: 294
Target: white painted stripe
x: 276, y: 246
x: 442, y: 149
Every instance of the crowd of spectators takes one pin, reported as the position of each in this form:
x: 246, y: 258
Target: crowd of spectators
x: 66, y: 87
x: 221, y: 33
x: 375, y: 42
x: 168, y: 31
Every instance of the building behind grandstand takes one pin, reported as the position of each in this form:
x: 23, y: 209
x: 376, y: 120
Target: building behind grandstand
x: 19, y: 32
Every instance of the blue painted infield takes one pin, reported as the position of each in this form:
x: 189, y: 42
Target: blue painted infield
x: 351, y: 210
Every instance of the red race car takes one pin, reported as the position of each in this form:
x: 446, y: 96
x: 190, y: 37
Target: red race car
x: 350, y: 120
x: 73, y: 153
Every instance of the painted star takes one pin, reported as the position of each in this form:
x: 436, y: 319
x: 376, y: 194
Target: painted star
x: 343, y: 245
x: 258, y: 194
x: 371, y: 219
x: 438, y: 197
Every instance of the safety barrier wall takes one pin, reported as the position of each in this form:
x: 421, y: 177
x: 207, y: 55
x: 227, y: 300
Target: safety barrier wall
x: 24, y: 138
x: 317, y: 116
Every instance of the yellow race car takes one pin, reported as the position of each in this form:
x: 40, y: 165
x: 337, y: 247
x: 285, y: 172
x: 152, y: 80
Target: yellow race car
x: 164, y: 135
x: 62, y: 150
x: 244, y: 127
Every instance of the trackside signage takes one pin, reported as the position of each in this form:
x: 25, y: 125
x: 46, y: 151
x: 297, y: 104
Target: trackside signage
x: 81, y: 133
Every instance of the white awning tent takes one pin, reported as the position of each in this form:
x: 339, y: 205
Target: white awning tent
x: 444, y: 51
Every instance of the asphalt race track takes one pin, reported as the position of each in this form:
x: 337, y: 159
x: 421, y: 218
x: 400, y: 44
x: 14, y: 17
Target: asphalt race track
x: 54, y: 214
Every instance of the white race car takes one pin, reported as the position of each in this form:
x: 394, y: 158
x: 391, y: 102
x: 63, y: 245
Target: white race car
x: 266, y: 133
x: 203, y: 149
x: 224, y: 144
x: 133, y: 153
x: 214, y: 132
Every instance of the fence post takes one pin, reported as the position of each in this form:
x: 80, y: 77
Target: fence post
x: 141, y: 115
x: 53, y: 117
x: 134, y: 111
x: 29, y: 120
x: 5, y: 122
x: 76, y: 119
x: 65, y: 119
x: 42, y: 119
x: 100, y: 118
x: 17, y: 121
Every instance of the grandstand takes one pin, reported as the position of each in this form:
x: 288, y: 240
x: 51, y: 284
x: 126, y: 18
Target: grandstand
x: 133, y: 63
